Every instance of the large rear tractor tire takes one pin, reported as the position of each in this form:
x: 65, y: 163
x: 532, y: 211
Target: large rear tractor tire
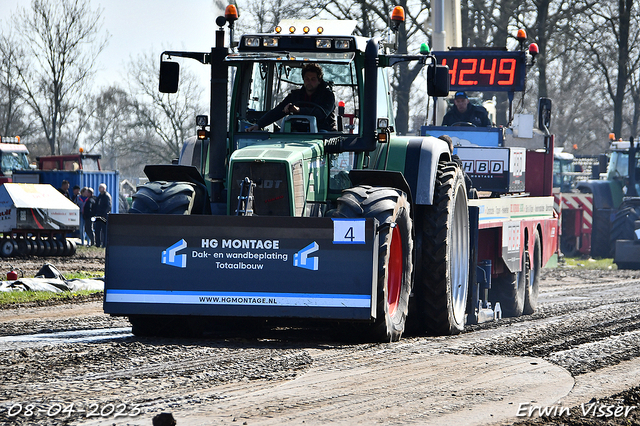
x: 623, y: 225
x: 442, y: 275
x: 601, y: 234
x: 395, y: 253
x: 533, y: 277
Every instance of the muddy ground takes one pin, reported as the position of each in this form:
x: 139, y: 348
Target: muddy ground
x: 87, y: 259
x: 588, y: 321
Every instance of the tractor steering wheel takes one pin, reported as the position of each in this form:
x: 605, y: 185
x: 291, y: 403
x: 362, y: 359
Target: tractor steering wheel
x: 312, y: 104
x: 463, y: 124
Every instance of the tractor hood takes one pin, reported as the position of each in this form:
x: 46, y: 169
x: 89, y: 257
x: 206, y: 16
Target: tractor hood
x: 278, y: 148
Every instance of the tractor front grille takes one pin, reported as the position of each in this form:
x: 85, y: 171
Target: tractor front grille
x: 272, y: 195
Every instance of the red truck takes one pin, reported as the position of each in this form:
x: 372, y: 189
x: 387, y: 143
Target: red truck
x: 70, y: 162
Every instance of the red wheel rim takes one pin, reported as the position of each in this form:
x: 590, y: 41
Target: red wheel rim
x: 394, y: 278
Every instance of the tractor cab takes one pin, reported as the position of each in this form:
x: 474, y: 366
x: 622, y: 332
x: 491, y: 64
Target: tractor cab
x: 619, y: 166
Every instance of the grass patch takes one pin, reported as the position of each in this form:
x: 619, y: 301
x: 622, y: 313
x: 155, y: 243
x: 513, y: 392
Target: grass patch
x: 83, y: 275
x: 34, y: 297
x: 93, y: 250
x: 579, y: 263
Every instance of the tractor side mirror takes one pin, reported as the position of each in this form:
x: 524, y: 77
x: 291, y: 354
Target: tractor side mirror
x: 544, y: 113
x: 169, y: 77
x: 438, y: 81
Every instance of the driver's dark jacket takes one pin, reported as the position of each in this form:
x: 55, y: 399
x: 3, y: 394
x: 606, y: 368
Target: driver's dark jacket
x: 476, y: 115
x: 323, y: 96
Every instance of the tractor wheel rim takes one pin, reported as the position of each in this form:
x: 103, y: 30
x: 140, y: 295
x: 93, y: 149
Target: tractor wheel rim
x: 394, y: 279
x: 459, y: 247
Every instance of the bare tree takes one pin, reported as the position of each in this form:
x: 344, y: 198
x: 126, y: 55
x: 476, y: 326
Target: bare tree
x: 605, y: 35
x: 634, y: 85
x: 171, y: 117
x: 62, y: 40
x: 13, y: 116
x: 111, y: 128
x: 372, y: 17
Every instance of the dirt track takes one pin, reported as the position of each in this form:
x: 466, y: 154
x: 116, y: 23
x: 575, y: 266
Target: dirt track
x: 584, y: 342
x: 87, y: 259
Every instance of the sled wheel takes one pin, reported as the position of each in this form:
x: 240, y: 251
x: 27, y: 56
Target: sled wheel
x: 40, y: 247
x: 54, y: 247
x: 62, y: 246
x: 442, y: 277
x: 533, y: 277
x: 67, y: 247
x: 47, y: 248
x: 9, y: 247
x: 24, y: 247
x: 395, y: 253
x: 72, y: 248
x: 569, y: 245
x: 509, y: 289
x: 33, y: 251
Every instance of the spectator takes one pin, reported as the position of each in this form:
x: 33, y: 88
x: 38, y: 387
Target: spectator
x: 80, y: 202
x: 103, y: 208
x: 76, y: 193
x: 64, y: 188
x: 87, y: 214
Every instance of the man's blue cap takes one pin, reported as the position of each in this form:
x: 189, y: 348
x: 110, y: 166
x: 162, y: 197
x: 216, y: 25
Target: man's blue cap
x: 461, y: 95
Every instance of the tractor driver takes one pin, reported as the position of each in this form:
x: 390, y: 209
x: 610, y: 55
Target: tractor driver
x: 315, y: 98
x: 465, y: 112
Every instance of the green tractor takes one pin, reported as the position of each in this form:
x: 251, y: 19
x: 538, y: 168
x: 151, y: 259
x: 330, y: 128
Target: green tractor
x: 616, y: 206
x: 290, y: 221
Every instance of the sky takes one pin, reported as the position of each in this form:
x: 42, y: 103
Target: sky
x: 144, y: 26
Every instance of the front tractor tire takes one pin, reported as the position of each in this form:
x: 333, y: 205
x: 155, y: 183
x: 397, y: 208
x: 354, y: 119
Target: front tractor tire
x: 395, y: 253
x: 160, y: 197
x: 442, y: 274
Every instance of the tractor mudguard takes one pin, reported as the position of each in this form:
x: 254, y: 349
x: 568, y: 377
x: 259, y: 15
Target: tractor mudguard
x: 601, y: 190
x: 421, y: 166
x: 173, y: 173
x: 386, y: 178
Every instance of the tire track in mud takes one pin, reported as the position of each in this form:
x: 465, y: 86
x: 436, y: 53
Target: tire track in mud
x: 597, y: 325
x: 147, y: 372
x: 581, y: 327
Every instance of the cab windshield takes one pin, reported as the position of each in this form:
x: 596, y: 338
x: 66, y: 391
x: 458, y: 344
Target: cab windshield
x: 619, y: 165
x: 14, y: 161
x: 262, y: 85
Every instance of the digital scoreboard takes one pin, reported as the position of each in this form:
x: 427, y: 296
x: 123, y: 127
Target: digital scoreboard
x: 485, y: 70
